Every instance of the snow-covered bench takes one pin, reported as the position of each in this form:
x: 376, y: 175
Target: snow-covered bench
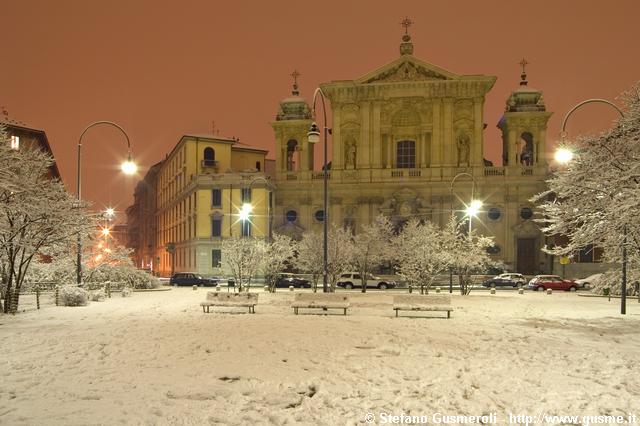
x: 322, y: 301
x: 427, y: 302
x: 230, y: 300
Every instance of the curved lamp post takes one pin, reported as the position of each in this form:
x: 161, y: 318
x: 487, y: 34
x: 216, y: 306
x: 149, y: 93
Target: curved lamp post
x: 128, y: 167
x: 564, y: 155
x: 314, y: 137
x: 472, y: 209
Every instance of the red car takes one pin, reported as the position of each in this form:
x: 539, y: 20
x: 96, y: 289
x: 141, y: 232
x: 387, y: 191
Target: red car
x: 554, y: 282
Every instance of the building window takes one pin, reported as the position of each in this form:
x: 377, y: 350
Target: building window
x: 291, y: 216
x: 246, y: 228
x: 216, y: 198
x: 319, y: 215
x: 209, y: 157
x: 493, y: 249
x: 15, y: 142
x: 494, y: 213
x: 406, y: 155
x: 246, y: 195
x: 526, y: 213
x: 216, y: 226
x: 590, y: 254
x: 257, y: 165
x: 216, y: 258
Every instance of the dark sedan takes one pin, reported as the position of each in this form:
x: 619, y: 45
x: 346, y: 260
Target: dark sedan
x: 288, y: 280
x: 505, y: 280
x: 190, y: 278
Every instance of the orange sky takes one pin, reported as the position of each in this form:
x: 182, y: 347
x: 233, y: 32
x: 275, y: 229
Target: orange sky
x: 161, y: 69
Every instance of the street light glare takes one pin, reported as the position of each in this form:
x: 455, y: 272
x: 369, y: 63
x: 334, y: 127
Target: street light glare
x: 129, y: 167
x: 110, y: 212
x: 474, y: 207
x: 563, y: 155
x: 245, y: 211
x: 105, y: 231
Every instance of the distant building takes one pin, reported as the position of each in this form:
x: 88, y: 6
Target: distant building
x: 141, y: 220
x: 21, y: 136
x: 201, y: 187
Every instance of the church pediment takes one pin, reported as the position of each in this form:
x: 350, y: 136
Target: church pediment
x: 406, y: 68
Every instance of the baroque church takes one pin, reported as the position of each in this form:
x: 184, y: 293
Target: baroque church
x: 408, y: 142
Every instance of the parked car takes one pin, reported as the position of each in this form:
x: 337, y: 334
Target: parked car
x: 191, y: 278
x: 354, y: 280
x: 586, y: 283
x: 286, y: 280
x: 508, y: 279
x: 554, y: 282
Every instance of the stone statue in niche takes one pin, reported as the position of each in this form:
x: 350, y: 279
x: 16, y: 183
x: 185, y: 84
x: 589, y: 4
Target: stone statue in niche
x: 350, y: 154
x: 463, y: 149
x: 290, y: 160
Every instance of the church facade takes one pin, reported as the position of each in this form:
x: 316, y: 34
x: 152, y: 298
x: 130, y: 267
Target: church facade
x: 408, y: 142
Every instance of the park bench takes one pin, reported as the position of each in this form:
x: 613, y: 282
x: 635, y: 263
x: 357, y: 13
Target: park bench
x: 427, y: 302
x: 322, y: 301
x: 230, y: 300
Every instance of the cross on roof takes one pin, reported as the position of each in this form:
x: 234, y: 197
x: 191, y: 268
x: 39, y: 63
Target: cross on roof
x: 295, y: 74
x: 523, y: 63
x: 406, y: 23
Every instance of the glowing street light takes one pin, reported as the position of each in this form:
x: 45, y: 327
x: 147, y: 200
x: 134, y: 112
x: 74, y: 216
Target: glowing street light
x: 110, y: 212
x: 563, y: 155
x: 473, y: 209
x: 129, y: 167
x: 245, y: 211
x: 105, y: 232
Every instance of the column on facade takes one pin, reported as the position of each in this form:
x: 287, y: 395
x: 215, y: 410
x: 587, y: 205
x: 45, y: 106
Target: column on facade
x: 336, y: 139
x: 449, y: 145
x: 389, y: 139
x: 436, y: 138
x: 477, y: 152
x: 376, y: 144
x: 512, y: 147
x: 363, y: 160
x: 305, y: 150
x: 539, y: 148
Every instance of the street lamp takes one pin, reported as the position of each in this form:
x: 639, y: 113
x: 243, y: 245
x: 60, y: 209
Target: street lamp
x: 128, y: 167
x: 245, y: 212
x: 559, y: 153
x: 313, y: 137
x: 471, y: 211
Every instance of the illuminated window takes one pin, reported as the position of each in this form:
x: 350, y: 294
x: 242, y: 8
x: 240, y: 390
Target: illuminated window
x: 15, y: 142
x: 406, y: 155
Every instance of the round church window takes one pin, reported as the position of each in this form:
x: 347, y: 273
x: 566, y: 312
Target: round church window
x: 319, y: 215
x: 526, y: 213
x: 494, y: 213
x: 291, y: 216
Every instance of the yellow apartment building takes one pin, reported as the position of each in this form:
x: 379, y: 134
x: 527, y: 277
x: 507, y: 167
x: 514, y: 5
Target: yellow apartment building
x: 201, y: 187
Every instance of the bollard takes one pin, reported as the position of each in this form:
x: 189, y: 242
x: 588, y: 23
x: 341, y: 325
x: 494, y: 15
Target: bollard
x: 218, y: 288
x: 521, y: 291
x: 493, y: 290
x: 549, y: 291
x: 437, y: 289
x: 195, y: 287
x: 108, y: 286
x: 410, y: 289
x: 38, y: 296
x: 57, y: 296
x: 266, y: 288
x: 290, y: 288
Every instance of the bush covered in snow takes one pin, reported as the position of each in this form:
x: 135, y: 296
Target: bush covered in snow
x: 120, y: 276
x: 612, y: 280
x: 70, y: 295
x: 98, y: 295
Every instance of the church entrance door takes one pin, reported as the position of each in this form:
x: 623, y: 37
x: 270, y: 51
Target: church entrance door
x: 526, y: 256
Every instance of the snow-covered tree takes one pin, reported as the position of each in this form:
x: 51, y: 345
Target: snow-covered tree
x: 39, y: 219
x: 420, y: 254
x: 339, y: 254
x: 371, y: 247
x: 594, y: 199
x: 278, y: 253
x: 467, y: 252
x: 309, y: 256
x: 244, y: 256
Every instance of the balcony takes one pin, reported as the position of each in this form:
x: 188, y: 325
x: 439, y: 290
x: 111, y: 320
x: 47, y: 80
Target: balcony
x: 209, y: 163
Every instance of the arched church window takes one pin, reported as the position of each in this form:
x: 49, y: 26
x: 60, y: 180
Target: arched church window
x: 209, y: 157
x: 526, y: 155
x: 292, y: 147
x: 406, y: 154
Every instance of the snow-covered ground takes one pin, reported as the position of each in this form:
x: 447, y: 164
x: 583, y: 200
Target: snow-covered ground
x: 155, y: 358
